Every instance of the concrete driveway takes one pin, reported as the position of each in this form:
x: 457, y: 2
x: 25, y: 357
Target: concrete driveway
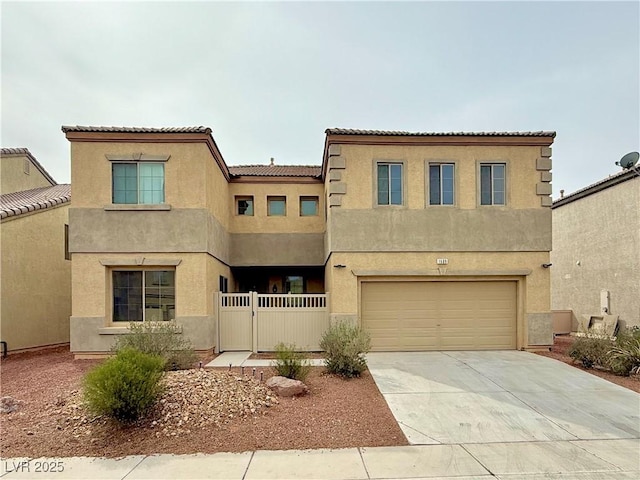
x: 508, y: 408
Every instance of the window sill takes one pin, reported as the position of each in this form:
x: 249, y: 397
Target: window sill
x: 143, y: 207
x: 125, y: 330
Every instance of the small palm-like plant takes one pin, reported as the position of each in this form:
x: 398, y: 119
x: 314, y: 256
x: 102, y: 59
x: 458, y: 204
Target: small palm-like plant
x: 624, y: 358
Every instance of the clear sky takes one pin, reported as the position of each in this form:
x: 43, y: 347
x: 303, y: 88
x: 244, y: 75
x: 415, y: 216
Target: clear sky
x: 270, y: 77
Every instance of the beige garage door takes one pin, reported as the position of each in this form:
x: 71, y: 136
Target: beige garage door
x: 405, y: 316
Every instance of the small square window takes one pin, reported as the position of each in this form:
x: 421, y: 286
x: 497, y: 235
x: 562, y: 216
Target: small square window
x: 244, y: 206
x: 276, y: 206
x: 308, y: 206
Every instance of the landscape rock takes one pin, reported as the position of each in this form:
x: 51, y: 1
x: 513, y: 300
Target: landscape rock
x: 8, y: 404
x: 287, y: 387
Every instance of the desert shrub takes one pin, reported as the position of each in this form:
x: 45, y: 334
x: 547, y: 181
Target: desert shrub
x: 624, y: 356
x: 125, y: 386
x: 345, y: 346
x: 162, y: 339
x: 291, y: 363
x: 591, y: 350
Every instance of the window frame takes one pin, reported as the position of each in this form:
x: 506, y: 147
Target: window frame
x: 139, y: 158
x: 376, y: 184
x: 139, y: 178
x: 440, y: 164
x: 309, y: 198
x: 223, y: 284
x: 492, y: 178
x: 276, y: 198
x: 143, y: 288
x: 245, y: 198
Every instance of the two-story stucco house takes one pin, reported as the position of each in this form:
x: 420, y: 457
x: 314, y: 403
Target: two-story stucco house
x: 429, y: 240
x: 35, y: 278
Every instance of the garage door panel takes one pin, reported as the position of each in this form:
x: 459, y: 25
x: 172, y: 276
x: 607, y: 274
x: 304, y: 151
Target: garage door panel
x: 440, y: 315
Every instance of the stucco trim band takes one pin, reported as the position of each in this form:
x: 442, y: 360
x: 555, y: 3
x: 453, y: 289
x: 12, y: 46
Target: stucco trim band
x: 137, y: 157
x: 438, y: 273
x: 136, y: 262
x: 138, y: 207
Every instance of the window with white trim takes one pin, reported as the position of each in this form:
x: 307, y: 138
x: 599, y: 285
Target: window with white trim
x: 143, y: 295
x: 441, y: 184
x: 389, y: 184
x: 138, y: 183
x: 492, y: 184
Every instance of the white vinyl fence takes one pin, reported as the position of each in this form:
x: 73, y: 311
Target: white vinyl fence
x: 258, y: 322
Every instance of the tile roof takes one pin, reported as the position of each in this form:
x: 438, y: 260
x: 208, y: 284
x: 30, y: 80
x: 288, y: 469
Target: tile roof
x: 79, y: 128
x: 27, y: 153
x: 351, y: 131
x: 18, y: 203
x: 276, y: 170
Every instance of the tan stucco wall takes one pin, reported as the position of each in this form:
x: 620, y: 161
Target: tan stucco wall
x: 91, y: 282
x: 36, y: 280
x: 197, y: 277
x: 260, y: 222
x: 602, y: 233
x: 13, y: 178
x: 185, y: 180
x: 359, y: 173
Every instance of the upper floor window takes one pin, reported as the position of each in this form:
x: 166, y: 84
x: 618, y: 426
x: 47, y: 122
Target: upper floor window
x: 441, y: 184
x: 138, y: 183
x: 276, y: 206
x: 144, y: 295
x: 244, y: 206
x: 308, y: 206
x: 492, y: 184
x: 389, y: 184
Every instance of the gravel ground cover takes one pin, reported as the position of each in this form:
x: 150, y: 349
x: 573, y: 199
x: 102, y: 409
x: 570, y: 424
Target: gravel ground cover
x: 202, y: 410
x: 561, y: 345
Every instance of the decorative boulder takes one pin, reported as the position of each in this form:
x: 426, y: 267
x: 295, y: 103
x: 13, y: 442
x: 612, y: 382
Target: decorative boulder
x: 286, y: 387
x: 8, y: 404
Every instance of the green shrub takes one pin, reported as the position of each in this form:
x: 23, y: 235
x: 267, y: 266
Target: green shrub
x: 591, y: 350
x: 290, y: 363
x: 162, y: 339
x: 345, y: 347
x: 624, y: 356
x: 125, y: 386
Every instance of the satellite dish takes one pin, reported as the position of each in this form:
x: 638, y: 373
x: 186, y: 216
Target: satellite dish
x: 629, y: 160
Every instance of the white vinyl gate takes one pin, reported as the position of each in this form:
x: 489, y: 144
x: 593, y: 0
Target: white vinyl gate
x: 258, y: 322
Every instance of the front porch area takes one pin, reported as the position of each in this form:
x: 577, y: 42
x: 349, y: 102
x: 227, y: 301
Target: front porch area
x: 277, y: 280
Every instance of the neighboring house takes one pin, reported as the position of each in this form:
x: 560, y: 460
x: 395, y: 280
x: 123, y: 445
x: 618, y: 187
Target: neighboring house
x: 36, y: 272
x: 596, y: 250
x: 429, y: 241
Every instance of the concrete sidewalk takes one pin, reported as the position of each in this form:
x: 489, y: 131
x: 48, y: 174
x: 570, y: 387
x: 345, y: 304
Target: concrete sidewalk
x: 576, y: 460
